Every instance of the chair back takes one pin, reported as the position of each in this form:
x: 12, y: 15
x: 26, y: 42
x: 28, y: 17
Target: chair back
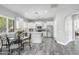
x: 3, y: 39
x: 30, y: 36
x: 8, y: 41
x: 22, y: 35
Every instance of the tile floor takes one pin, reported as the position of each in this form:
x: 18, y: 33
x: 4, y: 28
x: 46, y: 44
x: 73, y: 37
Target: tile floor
x: 50, y: 47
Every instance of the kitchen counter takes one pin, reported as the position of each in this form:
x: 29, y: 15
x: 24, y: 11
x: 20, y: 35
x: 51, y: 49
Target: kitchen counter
x: 36, y: 37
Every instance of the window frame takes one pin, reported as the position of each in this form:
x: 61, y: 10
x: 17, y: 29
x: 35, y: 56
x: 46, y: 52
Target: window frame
x: 7, y: 18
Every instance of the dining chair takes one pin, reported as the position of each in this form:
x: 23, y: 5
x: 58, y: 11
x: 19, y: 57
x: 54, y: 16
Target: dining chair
x: 14, y: 45
x: 26, y: 39
x: 4, y: 44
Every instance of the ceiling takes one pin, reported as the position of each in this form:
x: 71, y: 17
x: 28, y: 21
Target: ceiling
x: 33, y: 11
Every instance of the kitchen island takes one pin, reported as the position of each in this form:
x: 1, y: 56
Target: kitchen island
x: 36, y: 37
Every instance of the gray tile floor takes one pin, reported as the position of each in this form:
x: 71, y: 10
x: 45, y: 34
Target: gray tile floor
x: 50, y: 47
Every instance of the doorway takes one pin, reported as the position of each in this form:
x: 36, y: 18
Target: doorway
x: 50, y: 31
x: 72, y: 30
x: 69, y: 29
x: 76, y: 30
x: 76, y: 25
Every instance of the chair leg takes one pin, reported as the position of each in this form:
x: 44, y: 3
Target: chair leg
x: 1, y: 49
x: 19, y: 50
x: 9, y: 51
x: 29, y: 44
x: 23, y: 46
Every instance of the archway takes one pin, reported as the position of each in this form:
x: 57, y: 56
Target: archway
x: 72, y: 27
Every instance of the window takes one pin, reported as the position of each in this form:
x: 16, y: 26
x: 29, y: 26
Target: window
x: 2, y: 24
x: 10, y: 25
x: 20, y: 24
x: 6, y: 24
